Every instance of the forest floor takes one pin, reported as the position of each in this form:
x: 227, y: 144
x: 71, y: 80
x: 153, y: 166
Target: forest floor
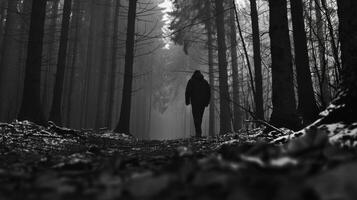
x: 56, y: 163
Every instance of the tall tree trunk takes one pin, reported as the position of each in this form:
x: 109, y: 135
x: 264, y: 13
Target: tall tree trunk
x: 93, y: 14
x: 76, y: 26
x: 237, y: 114
x: 222, y: 67
x: 31, y: 108
x: 348, y: 38
x: 114, y: 63
x: 9, y: 62
x: 307, y: 103
x: 56, y: 109
x: 258, y: 97
x: 103, y: 69
x: 124, y: 119
x: 50, y: 53
x: 208, y: 26
x: 284, y: 104
x: 2, y: 17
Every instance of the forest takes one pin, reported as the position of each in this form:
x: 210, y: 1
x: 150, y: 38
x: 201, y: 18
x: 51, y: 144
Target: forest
x: 93, y: 93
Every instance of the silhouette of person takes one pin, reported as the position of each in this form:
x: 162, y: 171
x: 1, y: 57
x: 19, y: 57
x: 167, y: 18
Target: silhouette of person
x: 198, y: 94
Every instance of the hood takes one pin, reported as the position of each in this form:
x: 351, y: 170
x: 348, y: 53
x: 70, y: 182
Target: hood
x: 197, y: 75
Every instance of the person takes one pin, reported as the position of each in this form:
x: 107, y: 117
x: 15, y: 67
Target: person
x: 198, y: 94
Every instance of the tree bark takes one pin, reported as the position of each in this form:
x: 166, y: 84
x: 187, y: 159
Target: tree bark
x: 208, y: 26
x: 258, y: 98
x: 114, y: 63
x: 76, y: 26
x: 31, y: 108
x: 307, y: 103
x: 237, y: 114
x: 348, y: 39
x: 56, y: 109
x: 103, y: 69
x: 124, y: 119
x: 284, y: 104
x: 50, y: 54
x: 9, y: 62
x: 222, y: 67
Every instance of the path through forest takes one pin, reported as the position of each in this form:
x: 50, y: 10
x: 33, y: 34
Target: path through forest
x: 57, y: 163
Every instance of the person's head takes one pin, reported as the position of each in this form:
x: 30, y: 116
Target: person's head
x: 197, y: 74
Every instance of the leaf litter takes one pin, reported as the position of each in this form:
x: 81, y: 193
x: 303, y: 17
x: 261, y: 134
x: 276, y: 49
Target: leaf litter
x: 58, y: 163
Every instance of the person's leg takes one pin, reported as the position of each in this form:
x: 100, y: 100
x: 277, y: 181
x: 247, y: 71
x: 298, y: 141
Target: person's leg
x: 197, y: 119
x: 201, y: 110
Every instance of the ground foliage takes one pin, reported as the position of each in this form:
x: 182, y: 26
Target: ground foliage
x: 57, y: 163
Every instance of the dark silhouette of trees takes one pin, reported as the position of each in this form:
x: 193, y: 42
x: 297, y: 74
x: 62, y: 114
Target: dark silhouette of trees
x: 307, y: 103
x: 31, y: 107
x: 284, y: 104
x: 124, y: 120
x: 56, y: 110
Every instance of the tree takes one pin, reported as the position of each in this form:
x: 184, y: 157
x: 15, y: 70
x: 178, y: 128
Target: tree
x: 348, y: 38
x: 114, y: 63
x: 222, y: 68
x: 103, y: 69
x: 209, y: 27
x: 76, y: 19
x: 56, y: 109
x: 124, y: 120
x: 307, y: 103
x: 258, y: 95
x: 284, y: 104
x: 31, y: 108
x: 237, y: 115
x: 9, y: 59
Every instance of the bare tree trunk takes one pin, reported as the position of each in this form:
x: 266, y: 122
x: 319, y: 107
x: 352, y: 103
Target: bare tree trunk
x: 258, y: 97
x: 222, y: 66
x: 89, y: 62
x: 348, y: 38
x: 284, y: 103
x: 2, y: 17
x: 76, y: 27
x: 208, y: 26
x: 237, y: 114
x: 9, y: 61
x: 307, y: 103
x: 114, y: 63
x: 50, y: 53
x: 124, y: 119
x: 103, y: 69
x: 56, y: 109
x: 31, y: 108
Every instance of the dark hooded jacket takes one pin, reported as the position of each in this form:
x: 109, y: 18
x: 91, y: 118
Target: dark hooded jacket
x: 198, y: 91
